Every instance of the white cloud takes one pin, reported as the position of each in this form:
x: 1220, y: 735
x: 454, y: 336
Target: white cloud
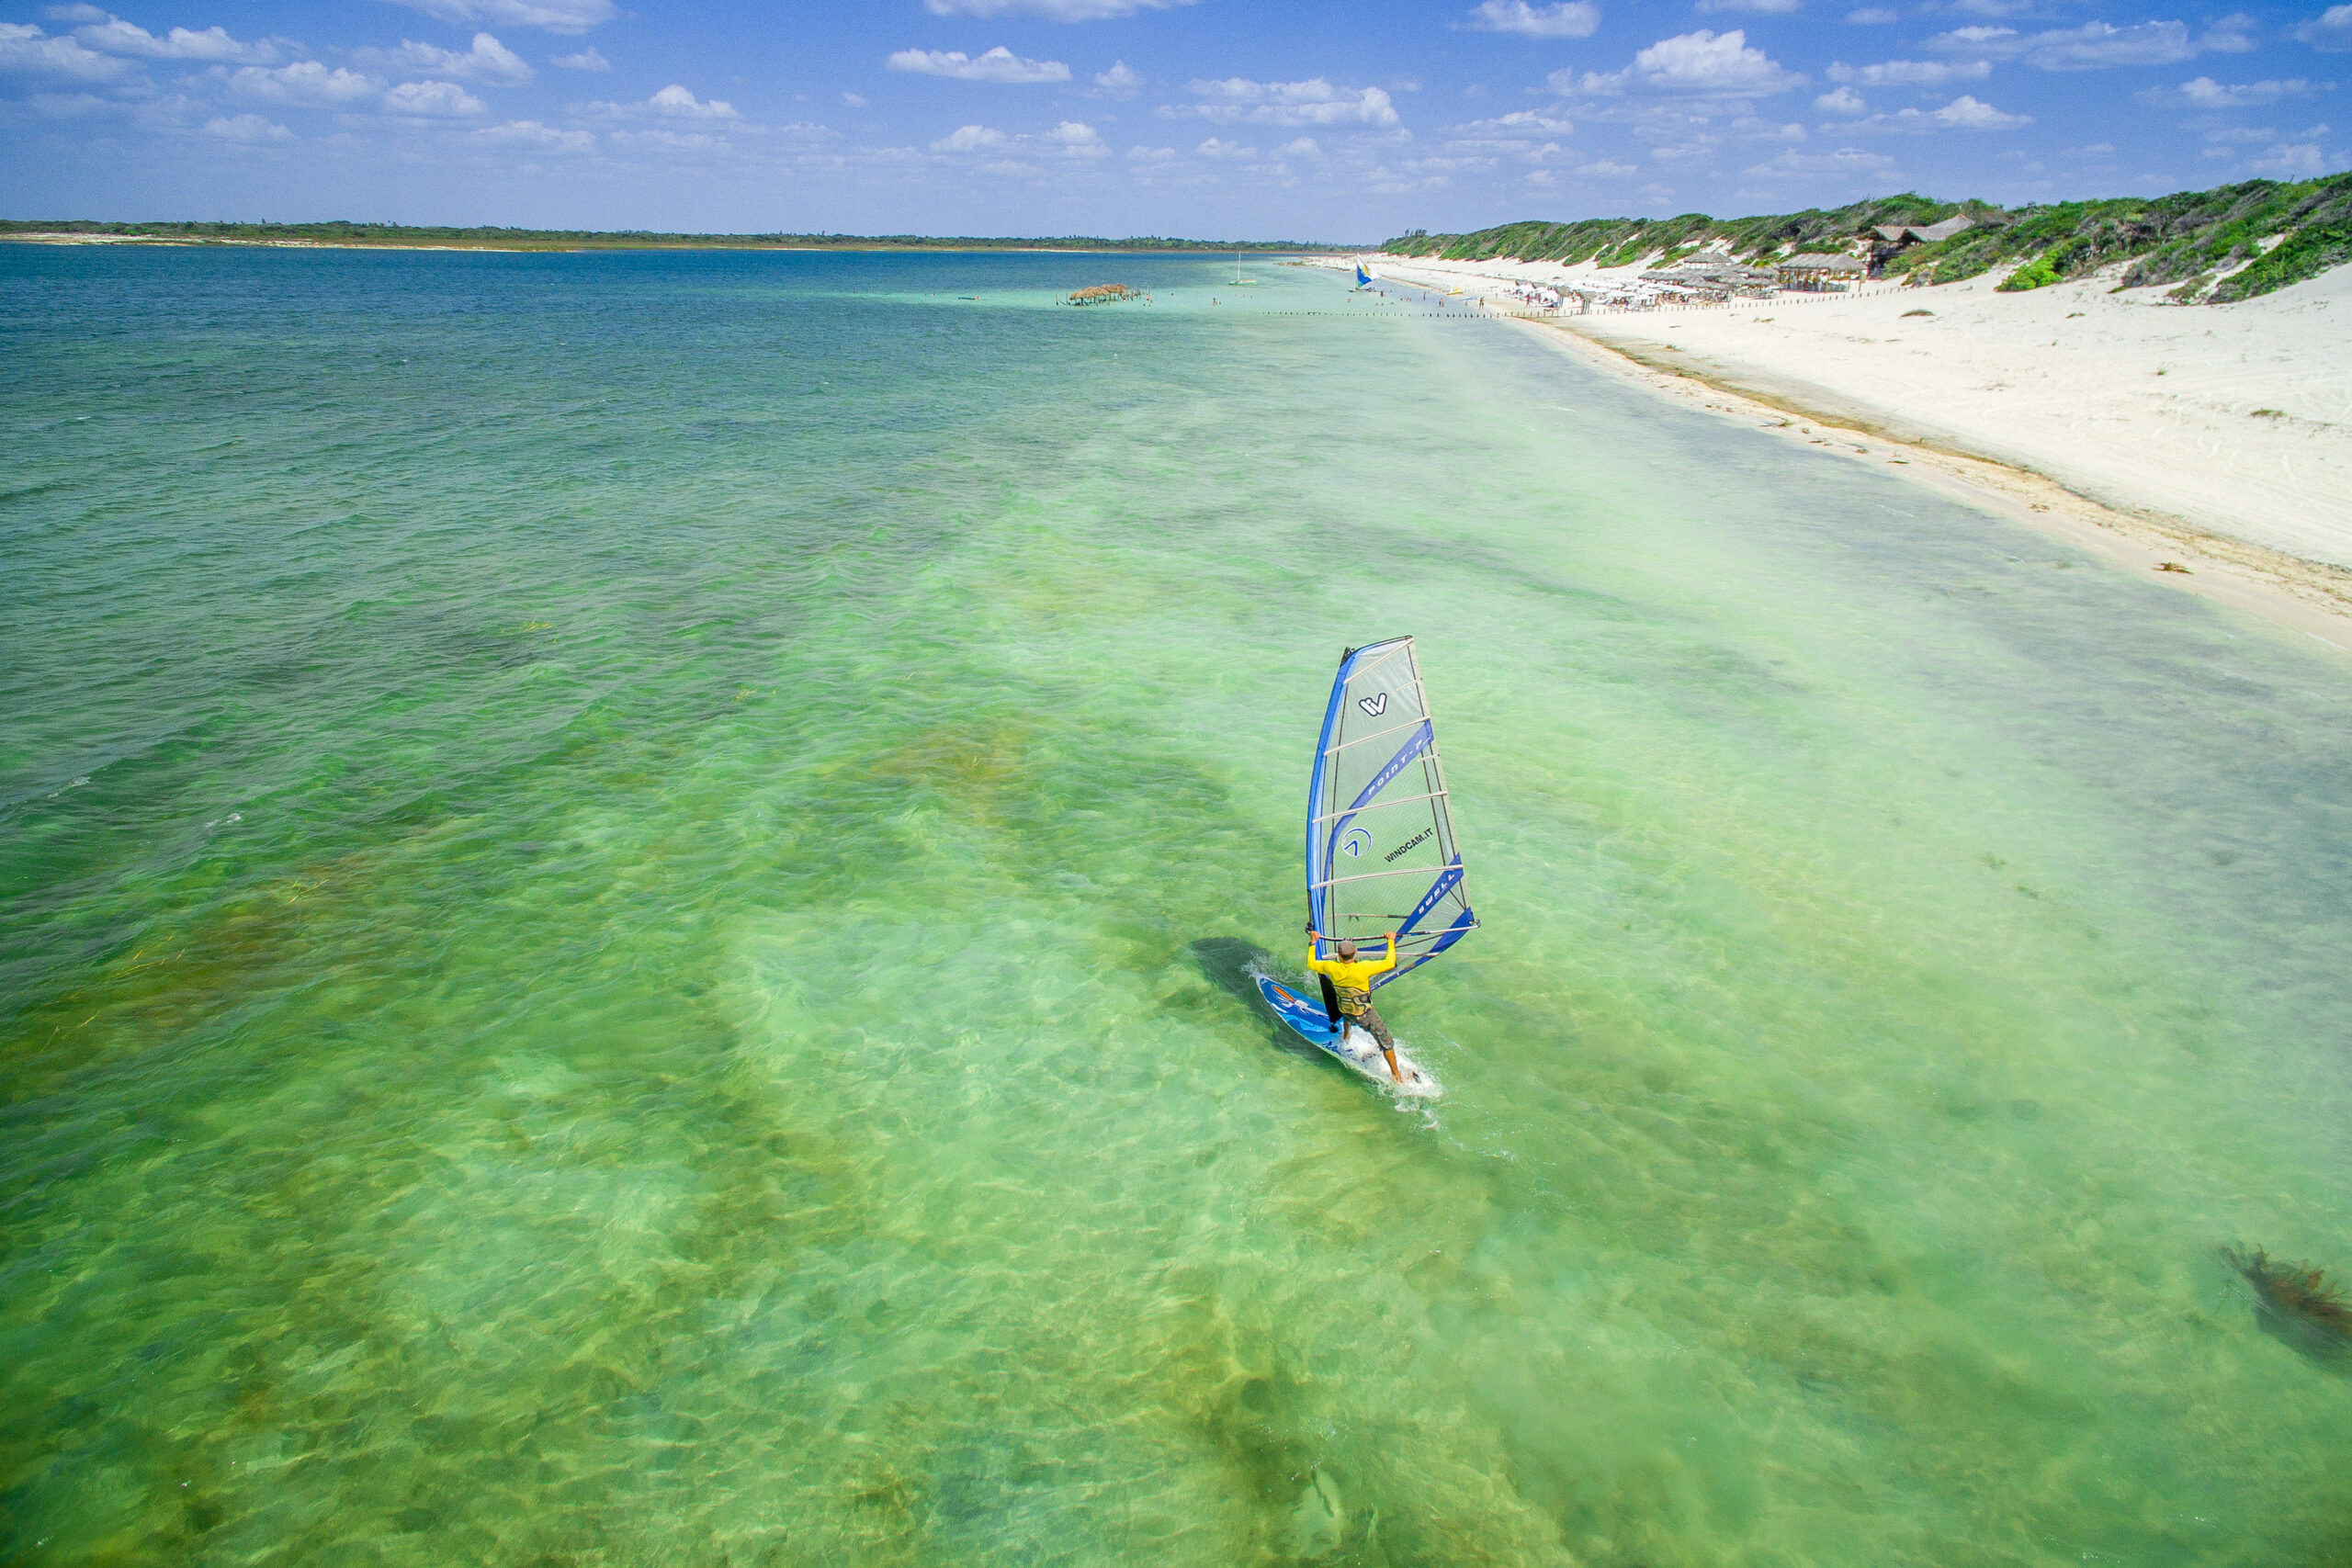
x: 1215, y: 148
x: 252, y: 129
x: 2300, y: 162
x: 970, y: 138
x: 77, y: 12
x: 1077, y: 140
x: 1052, y: 10
x: 1706, y: 6
x: 1911, y: 73
x: 26, y: 49
x: 2330, y: 31
x: 2096, y: 46
x: 489, y: 61
x: 548, y: 16
x: 2243, y: 135
x: 115, y: 36
x: 1850, y: 161
x: 2204, y: 93
x: 1704, y: 63
x: 2231, y: 35
x: 1964, y: 113
x: 1518, y: 132
x: 1305, y: 147
x: 672, y: 102
x: 853, y: 100
x: 1566, y: 19
x: 1122, y: 81
x: 306, y: 84
x: 435, y: 99
x: 589, y: 59
x: 998, y: 65
x: 531, y: 133
x: 1238, y: 100
x: 675, y: 102
x: 1874, y: 15
x: 662, y: 139
x: 58, y: 106
x: 1845, y: 100
x: 1151, y: 154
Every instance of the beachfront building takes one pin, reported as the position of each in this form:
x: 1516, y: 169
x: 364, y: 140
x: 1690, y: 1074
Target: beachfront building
x: 1889, y: 239
x: 1710, y: 279
x: 1815, y: 273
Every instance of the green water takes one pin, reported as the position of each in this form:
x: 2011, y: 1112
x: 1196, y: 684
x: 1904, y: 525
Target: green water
x: 628, y: 882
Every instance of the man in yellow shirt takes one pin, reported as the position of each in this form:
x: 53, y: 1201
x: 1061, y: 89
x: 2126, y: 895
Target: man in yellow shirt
x: 1351, y: 982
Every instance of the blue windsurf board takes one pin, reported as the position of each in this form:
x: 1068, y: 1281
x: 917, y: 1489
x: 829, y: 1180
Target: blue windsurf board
x: 1308, y: 1020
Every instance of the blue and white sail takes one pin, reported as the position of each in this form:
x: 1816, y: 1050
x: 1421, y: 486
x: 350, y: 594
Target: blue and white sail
x: 1363, y: 278
x: 1380, y: 851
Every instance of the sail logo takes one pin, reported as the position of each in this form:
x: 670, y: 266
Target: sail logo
x: 1412, y: 843
x: 1355, y: 843
x: 1375, y: 704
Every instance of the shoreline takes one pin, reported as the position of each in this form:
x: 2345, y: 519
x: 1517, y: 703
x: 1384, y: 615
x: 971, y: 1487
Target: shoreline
x: 2045, y: 407
x: 2311, y: 597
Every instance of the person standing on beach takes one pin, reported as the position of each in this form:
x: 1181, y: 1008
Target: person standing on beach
x: 1351, y: 983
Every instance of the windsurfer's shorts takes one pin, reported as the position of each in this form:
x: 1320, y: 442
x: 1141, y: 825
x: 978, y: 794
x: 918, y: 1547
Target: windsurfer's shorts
x: 1369, y: 1021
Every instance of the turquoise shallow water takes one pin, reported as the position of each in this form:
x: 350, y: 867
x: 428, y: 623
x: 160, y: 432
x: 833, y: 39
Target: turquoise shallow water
x: 627, y: 882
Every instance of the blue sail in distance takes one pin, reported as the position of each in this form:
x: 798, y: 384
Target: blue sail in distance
x: 1381, y: 855
x: 1363, y: 278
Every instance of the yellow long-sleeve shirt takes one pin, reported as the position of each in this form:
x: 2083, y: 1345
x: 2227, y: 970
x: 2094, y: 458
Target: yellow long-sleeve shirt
x: 1352, y: 981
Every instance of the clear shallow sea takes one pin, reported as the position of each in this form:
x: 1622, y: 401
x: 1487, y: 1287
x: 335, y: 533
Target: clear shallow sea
x: 624, y: 883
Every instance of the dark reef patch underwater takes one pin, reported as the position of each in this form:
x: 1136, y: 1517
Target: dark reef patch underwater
x: 2296, y: 1301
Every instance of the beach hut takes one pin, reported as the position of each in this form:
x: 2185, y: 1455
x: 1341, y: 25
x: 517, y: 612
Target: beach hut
x: 1712, y: 279
x: 1814, y: 272
x: 1889, y: 239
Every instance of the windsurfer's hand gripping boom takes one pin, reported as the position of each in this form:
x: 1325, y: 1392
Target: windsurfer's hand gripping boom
x: 1352, y: 979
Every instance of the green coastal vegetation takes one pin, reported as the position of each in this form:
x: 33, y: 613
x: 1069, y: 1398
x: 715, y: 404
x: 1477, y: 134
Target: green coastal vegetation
x: 2231, y: 242
x: 493, y: 238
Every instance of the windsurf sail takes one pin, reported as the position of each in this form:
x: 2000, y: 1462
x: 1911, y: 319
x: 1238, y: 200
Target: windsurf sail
x: 1379, y: 850
x: 1363, y: 278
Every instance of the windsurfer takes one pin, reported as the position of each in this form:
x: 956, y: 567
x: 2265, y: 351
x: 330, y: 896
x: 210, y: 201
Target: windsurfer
x: 1351, y: 981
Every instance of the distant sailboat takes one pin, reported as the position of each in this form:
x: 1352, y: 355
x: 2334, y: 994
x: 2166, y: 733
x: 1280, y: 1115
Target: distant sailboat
x: 1363, y: 278
x: 1240, y: 281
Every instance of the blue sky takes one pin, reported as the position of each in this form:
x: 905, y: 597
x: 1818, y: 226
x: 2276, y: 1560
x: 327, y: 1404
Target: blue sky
x: 1211, y: 118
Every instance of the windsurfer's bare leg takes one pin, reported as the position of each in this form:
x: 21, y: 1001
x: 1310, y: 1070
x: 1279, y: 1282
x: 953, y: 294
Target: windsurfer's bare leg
x: 1369, y: 1021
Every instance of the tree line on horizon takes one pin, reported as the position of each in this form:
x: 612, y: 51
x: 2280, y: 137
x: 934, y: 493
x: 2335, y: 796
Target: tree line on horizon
x: 347, y: 232
x: 2271, y: 233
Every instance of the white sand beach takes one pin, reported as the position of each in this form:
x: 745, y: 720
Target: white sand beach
x: 2176, y: 422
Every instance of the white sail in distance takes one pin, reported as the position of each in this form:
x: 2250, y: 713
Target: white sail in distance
x: 1381, y: 855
